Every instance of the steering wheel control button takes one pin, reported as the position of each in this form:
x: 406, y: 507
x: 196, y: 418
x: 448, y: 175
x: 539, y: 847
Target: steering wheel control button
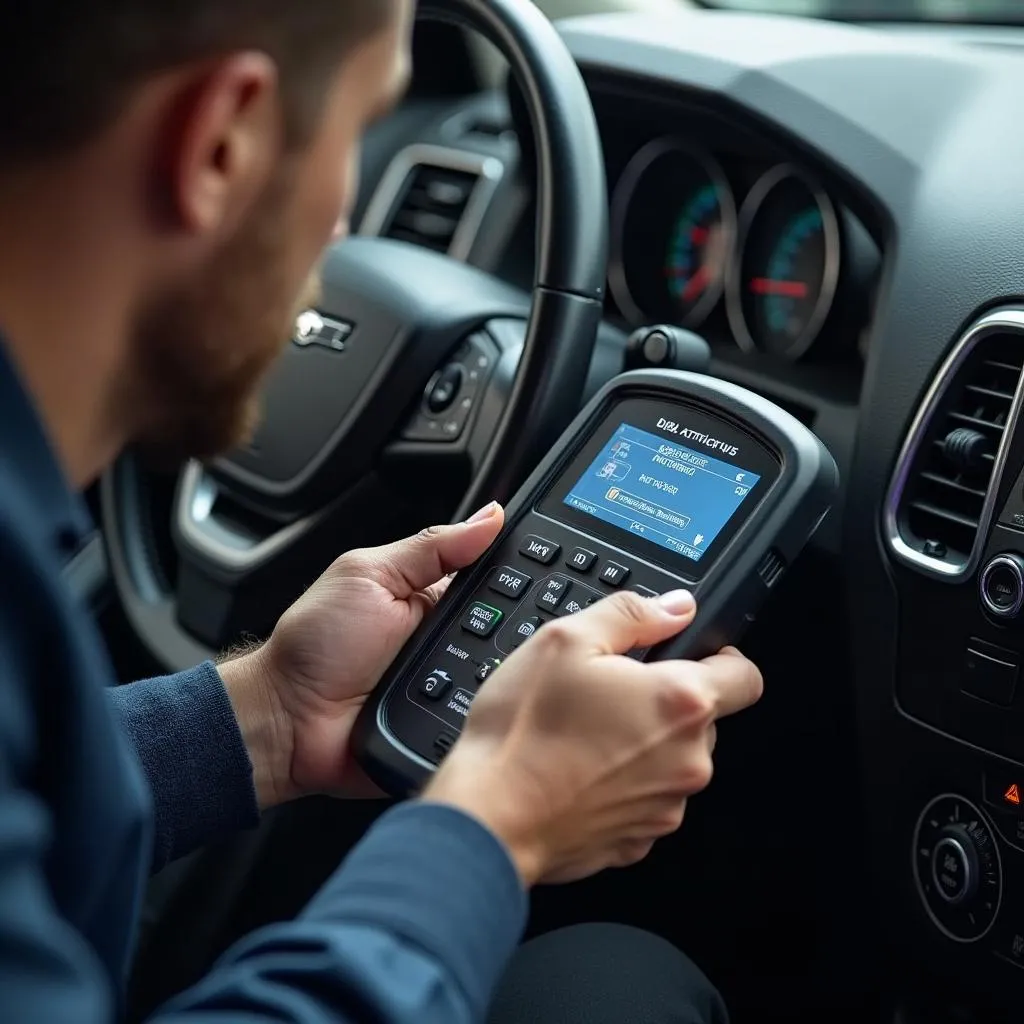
x: 452, y: 394
x: 1002, y: 586
x: 524, y: 630
x: 643, y: 591
x: 581, y: 560
x: 957, y: 868
x: 539, y: 550
x: 478, y: 358
x: 613, y: 574
x: 990, y: 674
x: 552, y: 594
x: 445, y: 388
x: 482, y: 619
x: 436, y: 685
x: 509, y: 582
x: 951, y: 870
x: 571, y: 607
x: 486, y: 669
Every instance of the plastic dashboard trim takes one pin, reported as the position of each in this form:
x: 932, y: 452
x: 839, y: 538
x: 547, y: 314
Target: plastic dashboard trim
x: 488, y: 169
x: 900, y: 123
x: 996, y: 322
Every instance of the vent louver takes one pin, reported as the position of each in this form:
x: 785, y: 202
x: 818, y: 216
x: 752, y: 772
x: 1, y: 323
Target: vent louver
x: 434, y: 197
x: 432, y: 206
x: 944, y: 487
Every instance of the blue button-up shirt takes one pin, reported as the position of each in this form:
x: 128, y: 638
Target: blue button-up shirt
x: 99, y: 784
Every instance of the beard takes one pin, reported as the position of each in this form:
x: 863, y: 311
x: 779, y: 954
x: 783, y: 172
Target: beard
x: 205, y: 347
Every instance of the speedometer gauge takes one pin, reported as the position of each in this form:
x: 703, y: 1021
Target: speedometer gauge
x: 781, y: 288
x: 674, y: 223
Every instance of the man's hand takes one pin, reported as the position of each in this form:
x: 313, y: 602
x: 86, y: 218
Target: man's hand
x: 578, y: 758
x: 298, y: 695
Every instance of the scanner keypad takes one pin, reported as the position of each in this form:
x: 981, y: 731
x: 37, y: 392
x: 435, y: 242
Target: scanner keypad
x: 512, y: 603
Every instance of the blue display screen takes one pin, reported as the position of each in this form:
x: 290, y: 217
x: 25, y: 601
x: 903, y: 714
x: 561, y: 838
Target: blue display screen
x: 673, y: 496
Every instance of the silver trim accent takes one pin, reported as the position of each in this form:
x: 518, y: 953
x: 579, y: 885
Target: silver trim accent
x: 996, y: 322
x: 915, y: 846
x: 964, y: 859
x: 752, y: 206
x: 488, y: 169
x: 194, y: 505
x: 405, y: 751
x: 622, y: 204
x: 1013, y: 565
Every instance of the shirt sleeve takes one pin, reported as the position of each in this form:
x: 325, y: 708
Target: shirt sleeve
x: 186, y: 737
x: 415, y: 929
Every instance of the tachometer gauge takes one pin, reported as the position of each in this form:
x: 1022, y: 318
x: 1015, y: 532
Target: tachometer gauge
x: 781, y: 289
x: 674, y: 224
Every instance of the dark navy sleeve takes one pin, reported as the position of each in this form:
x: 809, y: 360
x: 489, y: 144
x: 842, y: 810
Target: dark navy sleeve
x: 187, y: 739
x: 416, y: 928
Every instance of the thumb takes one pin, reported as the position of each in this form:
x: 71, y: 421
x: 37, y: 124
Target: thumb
x: 413, y: 564
x: 625, y: 621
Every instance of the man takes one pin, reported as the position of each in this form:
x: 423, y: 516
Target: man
x: 169, y: 174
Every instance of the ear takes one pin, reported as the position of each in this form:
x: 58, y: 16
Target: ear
x: 226, y: 143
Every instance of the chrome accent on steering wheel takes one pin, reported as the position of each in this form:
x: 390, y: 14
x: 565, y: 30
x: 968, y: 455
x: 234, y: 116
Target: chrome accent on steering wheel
x: 197, y: 522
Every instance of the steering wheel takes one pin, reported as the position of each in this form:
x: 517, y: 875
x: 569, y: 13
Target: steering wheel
x: 337, y: 404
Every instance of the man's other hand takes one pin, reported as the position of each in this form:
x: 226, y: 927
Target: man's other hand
x: 297, y: 696
x: 578, y: 758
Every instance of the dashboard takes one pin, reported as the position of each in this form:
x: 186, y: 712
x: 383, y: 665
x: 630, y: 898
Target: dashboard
x: 713, y: 232
x: 839, y: 211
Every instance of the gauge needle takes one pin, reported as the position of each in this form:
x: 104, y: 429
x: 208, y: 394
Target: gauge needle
x: 788, y: 289
x: 696, y: 284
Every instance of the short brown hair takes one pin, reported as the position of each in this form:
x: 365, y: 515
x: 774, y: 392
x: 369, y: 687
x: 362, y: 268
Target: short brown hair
x: 68, y: 67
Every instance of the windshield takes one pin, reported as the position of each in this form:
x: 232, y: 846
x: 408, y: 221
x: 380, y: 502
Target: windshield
x: 980, y: 11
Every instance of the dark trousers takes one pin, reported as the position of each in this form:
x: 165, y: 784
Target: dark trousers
x: 604, y: 974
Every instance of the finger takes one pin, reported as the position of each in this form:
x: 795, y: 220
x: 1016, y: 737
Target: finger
x: 632, y: 851
x: 416, y: 563
x: 624, y: 621
x: 734, y: 681
x: 432, y: 595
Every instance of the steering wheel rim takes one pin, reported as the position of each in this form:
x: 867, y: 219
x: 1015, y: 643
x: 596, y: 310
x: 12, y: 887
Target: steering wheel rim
x: 572, y: 231
x: 565, y: 311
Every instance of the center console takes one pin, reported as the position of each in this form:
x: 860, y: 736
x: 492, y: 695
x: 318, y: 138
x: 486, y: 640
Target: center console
x: 954, y: 532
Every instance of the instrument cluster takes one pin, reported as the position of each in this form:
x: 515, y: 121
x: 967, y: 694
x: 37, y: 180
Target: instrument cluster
x: 688, y: 242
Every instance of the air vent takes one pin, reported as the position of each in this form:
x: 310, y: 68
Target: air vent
x: 940, y: 505
x: 435, y: 198
x: 489, y: 128
x: 432, y: 208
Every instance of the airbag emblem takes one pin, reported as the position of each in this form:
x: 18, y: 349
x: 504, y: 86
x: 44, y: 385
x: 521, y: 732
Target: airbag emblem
x: 313, y: 329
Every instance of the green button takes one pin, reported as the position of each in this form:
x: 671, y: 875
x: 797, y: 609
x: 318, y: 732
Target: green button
x: 482, y: 619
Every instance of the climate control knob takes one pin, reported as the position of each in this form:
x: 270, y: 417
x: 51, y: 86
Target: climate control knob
x: 1002, y: 586
x: 957, y: 868
x: 955, y: 865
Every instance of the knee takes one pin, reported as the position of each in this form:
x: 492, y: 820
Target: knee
x: 605, y: 974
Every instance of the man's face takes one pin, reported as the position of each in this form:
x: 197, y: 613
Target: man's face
x: 205, y: 345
